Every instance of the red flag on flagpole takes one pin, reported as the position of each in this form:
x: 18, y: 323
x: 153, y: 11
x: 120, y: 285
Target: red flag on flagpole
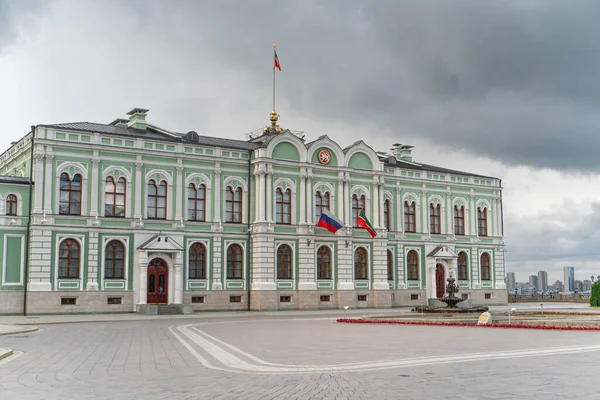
x: 276, y: 59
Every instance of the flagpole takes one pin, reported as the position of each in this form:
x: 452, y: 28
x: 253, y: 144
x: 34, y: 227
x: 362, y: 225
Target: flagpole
x: 274, y: 78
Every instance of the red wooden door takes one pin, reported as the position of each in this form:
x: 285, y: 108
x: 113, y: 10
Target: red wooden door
x: 440, y: 281
x: 158, y: 282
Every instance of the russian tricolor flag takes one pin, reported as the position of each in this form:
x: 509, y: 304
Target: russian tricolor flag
x: 329, y: 221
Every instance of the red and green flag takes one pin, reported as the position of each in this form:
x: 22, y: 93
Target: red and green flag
x: 364, y: 222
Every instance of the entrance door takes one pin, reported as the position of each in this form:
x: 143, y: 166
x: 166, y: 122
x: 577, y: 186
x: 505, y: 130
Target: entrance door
x: 158, y: 279
x: 440, y: 281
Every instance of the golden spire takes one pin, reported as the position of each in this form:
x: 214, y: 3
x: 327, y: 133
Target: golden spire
x: 273, y: 128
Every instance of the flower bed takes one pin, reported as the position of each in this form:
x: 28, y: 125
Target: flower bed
x: 468, y: 324
x: 541, y: 314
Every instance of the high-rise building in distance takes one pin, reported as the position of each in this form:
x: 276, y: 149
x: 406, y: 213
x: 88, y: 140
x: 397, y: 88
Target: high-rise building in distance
x: 511, y: 281
x: 542, y: 281
x: 569, y: 279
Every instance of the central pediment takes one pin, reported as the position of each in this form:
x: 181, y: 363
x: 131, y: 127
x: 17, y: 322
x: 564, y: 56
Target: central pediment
x: 442, y: 252
x: 161, y: 243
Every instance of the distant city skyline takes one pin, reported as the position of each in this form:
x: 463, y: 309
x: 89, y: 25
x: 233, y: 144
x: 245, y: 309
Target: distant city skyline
x: 557, y: 274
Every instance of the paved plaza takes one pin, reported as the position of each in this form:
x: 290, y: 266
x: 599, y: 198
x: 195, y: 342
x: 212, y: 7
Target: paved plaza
x: 294, y: 356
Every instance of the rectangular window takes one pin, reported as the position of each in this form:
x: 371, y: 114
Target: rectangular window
x: 482, y: 221
x: 488, y: 295
x: 465, y: 296
x: 68, y: 301
x: 325, y: 297
x: 114, y: 300
x: 459, y: 220
x: 410, y: 217
x: 285, y: 299
x: 414, y: 296
x: 235, y: 299
x: 197, y: 299
x: 435, y: 219
x: 233, y: 205
x: 362, y: 297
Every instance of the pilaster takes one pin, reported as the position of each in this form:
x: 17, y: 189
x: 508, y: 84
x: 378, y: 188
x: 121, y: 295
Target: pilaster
x: 309, y: 197
x: 139, y: 191
x: 217, y: 194
x: 48, y: 189
x: 94, y: 199
x: 38, y: 159
x: 179, y: 191
x: 269, y: 193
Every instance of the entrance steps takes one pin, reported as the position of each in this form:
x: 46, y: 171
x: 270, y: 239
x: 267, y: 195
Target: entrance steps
x: 164, y: 309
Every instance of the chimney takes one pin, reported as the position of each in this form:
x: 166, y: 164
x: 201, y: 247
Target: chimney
x: 137, y: 118
x: 120, y: 122
x: 402, y: 152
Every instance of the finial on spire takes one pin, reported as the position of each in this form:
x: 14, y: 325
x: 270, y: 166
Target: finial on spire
x: 273, y: 128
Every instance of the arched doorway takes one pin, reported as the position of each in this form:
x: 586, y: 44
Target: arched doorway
x: 158, y: 282
x: 440, y: 281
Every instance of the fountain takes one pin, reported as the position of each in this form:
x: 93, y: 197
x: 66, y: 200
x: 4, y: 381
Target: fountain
x: 451, y: 301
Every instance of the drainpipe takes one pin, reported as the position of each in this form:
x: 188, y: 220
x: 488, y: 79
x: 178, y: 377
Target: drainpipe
x: 248, y: 258
x: 28, y: 232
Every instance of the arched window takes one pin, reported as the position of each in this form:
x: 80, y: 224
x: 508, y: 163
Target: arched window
x: 197, y: 261
x: 69, y: 202
x: 322, y: 202
x: 413, y: 265
x: 196, y: 202
x: 410, y: 217
x: 114, y: 197
x: 361, y: 271
x: 390, y: 266
x: 234, y: 262
x: 114, y: 260
x: 462, y: 266
x: 283, y: 206
x: 459, y: 220
x: 157, y: 200
x: 435, y: 219
x: 68, y: 259
x: 11, y: 204
x: 358, y: 205
x: 485, y: 267
x: 284, y: 262
x: 482, y: 221
x: 324, y: 263
x: 233, y: 205
x: 386, y: 214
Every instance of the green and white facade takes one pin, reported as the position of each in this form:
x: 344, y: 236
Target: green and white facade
x: 231, y: 223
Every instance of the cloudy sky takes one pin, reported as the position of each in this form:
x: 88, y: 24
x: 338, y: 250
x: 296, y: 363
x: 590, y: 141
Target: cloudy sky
x: 503, y: 88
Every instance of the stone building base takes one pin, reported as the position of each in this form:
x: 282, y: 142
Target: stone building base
x: 234, y: 300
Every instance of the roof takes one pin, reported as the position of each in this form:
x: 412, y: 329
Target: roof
x: 155, y: 133
x: 152, y: 132
x: 19, y: 180
x: 391, y: 161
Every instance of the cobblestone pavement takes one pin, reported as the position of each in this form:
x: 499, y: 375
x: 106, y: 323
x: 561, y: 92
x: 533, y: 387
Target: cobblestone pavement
x: 290, y: 357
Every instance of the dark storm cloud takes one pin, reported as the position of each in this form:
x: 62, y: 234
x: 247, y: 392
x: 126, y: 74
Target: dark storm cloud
x: 516, y: 81
x: 16, y: 16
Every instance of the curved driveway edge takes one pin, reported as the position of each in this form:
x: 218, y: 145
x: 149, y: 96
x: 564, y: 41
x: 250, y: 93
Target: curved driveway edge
x: 14, y: 329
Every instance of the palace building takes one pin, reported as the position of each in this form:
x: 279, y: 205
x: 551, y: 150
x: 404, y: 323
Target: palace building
x: 128, y: 216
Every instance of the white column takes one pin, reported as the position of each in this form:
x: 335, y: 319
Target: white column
x: 473, y: 217
x: 309, y: 197
x: 302, y: 197
x: 178, y: 298
x: 449, y: 213
x: 48, y: 183
x: 375, y: 201
x: 143, y: 265
x: 38, y: 160
x: 381, y: 206
x: 269, y: 193
x: 424, y: 210
x: 399, y: 210
x: 139, y: 192
x: 257, y: 204
x: 500, y: 221
x: 340, y: 196
x: 261, y: 194
x: 217, y: 194
x: 347, y: 200
x: 179, y: 192
x: 433, y: 284
x: 94, y: 200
